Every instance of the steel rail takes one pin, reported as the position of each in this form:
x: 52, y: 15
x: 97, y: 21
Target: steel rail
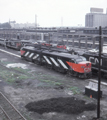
x: 13, y: 107
x: 5, y: 113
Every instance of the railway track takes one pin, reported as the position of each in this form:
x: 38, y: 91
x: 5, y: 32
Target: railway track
x: 8, y: 111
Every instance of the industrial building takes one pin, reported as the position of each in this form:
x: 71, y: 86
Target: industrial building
x: 96, y: 18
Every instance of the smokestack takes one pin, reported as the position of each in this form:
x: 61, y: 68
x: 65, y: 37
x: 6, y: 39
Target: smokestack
x: 35, y: 21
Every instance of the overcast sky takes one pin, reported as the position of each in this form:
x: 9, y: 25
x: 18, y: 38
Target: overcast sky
x: 49, y: 12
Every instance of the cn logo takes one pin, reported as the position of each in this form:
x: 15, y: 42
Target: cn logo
x: 94, y: 60
x: 87, y: 69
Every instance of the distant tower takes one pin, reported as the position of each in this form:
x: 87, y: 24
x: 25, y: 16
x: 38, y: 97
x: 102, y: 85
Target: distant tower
x: 61, y: 21
x: 35, y: 21
x: 9, y: 20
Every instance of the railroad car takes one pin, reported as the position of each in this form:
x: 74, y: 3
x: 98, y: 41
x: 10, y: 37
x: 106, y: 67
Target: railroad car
x: 13, y: 43
x: 60, y: 61
x: 93, y: 57
x: 16, y: 43
x: 28, y: 42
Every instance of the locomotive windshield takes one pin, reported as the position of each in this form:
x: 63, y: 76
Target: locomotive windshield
x: 80, y: 59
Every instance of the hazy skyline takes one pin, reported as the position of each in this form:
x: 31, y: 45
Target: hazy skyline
x: 50, y: 13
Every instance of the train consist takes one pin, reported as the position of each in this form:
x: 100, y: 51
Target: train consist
x: 17, y: 44
x: 56, y: 59
x: 53, y: 54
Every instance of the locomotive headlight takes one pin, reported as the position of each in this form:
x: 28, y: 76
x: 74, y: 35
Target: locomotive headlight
x: 82, y: 66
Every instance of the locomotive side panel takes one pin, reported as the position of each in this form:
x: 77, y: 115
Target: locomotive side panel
x: 93, y: 58
x: 31, y: 54
x: 56, y: 62
x: 16, y: 44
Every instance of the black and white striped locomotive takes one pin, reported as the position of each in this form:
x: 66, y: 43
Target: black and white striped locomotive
x: 60, y: 61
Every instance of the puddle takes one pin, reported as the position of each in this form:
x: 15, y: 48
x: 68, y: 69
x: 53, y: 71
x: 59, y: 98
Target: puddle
x: 19, y: 65
x: 69, y: 92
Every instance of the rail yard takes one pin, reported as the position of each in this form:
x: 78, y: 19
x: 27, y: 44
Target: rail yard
x: 40, y: 93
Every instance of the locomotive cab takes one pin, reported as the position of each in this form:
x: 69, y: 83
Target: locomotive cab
x: 83, y: 65
x: 80, y: 67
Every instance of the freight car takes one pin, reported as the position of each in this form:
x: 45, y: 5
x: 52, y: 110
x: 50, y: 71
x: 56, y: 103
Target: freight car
x: 16, y: 43
x: 13, y: 43
x: 60, y: 61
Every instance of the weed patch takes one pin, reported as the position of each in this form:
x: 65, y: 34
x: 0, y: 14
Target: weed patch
x: 74, y: 89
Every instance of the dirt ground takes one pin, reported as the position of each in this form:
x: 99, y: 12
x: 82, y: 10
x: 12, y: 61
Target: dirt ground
x: 43, y: 94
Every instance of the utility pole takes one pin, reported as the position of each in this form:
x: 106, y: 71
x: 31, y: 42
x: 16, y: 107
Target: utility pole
x: 99, y: 73
x: 4, y: 39
x: 62, y: 27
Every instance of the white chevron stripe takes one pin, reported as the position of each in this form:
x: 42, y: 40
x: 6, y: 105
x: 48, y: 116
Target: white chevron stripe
x: 31, y: 55
x: 26, y: 54
x: 35, y: 56
x: 47, y: 60
x: 53, y: 60
x: 61, y: 62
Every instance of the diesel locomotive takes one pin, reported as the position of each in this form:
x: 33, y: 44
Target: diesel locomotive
x: 59, y: 60
x: 93, y: 57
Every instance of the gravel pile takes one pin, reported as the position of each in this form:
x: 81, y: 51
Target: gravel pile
x: 69, y: 105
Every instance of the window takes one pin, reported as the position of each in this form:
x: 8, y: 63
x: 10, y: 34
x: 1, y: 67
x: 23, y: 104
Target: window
x: 70, y: 43
x: 97, y: 38
x: 76, y: 44
x: 80, y: 60
x: 69, y: 36
x: 96, y: 46
x: 89, y: 45
x: 105, y: 39
x: 82, y: 44
x: 72, y: 60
